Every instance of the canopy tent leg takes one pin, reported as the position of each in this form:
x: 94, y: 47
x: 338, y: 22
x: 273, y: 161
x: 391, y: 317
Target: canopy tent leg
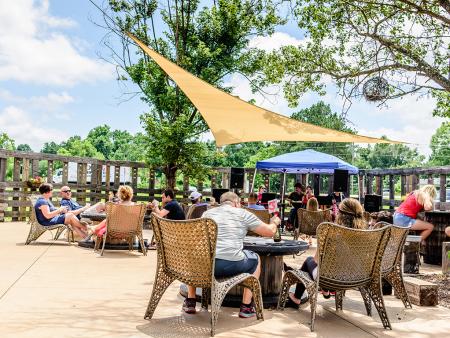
x: 283, y: 191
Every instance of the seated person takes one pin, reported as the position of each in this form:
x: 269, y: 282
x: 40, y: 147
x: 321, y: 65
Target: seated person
x: 261, y: 191
x: 74, y: 207
x: 196, y: 199
x: 112, y: 196
x: 233, y: 222
x: 415, y: 202
x: 252, y: 199
x: 295, y: 198
x: 48, y: 215
x: 125, y: 195
x: 308, y: 194
x: 312, y: 204
x: 350, y: 214
x: 336, y: 198
x: 171, y: 208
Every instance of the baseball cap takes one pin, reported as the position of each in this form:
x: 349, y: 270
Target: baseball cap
x: 194, y: 195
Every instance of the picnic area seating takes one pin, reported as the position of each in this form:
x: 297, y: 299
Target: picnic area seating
x: 391, y: 266
x: 308, y: 221
x: 347, y: 258
x: 123, y: 222
x: 36, y: 229
x: 186, y: 252
x: 196, y: 211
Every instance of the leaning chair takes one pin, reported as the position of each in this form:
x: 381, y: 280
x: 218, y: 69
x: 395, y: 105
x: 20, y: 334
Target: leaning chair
x: 123, y: 222
x: 308, y: 221
x: 347, y: 259
x: 186, y: 252
x: 36, y: 229
x: 391, y: 266
x: 196, y: 211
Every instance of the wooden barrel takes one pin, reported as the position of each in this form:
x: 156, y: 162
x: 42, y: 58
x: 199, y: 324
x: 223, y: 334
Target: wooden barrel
x: 433, y: 247
x: 270, y: 280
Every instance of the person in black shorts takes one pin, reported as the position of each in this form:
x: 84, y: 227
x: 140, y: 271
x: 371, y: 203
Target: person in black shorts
x: 171, y: 208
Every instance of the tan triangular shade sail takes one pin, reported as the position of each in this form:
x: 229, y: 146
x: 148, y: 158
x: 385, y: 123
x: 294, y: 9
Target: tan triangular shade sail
x: 233, y: 120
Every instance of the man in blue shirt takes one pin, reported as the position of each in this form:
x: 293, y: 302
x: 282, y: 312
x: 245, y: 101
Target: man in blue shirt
x: 74, y: 207
x: 252, y: 198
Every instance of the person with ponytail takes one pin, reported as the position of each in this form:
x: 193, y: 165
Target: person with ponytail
x: 349, y: 214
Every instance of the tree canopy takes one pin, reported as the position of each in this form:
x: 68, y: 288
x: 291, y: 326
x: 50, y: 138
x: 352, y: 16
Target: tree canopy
x: 403, y: 41
x: 210, y: 42
x: 440, y: 145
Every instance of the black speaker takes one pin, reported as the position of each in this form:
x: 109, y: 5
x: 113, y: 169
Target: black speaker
x: 237, y: 178
x: 340, y: 182
x: 372, y: 203
x: 216, y: 193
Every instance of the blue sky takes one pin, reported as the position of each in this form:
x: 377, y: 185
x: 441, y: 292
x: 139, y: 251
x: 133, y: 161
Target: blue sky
x: 54, y: 85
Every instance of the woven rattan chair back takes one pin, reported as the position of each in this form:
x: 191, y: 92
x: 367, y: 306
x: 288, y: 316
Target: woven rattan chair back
x: 263, y: 215
x: 196, y: 211
x: 308, y: 221
x: 391, y: 266
x: 36, y: 229
x: 124, y: 222
x: 349, y: 257
x: 186, y: 252
x: 186, y: 248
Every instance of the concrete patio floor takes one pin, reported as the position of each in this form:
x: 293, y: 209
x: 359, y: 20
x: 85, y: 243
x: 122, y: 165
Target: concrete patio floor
x: 50, y: 289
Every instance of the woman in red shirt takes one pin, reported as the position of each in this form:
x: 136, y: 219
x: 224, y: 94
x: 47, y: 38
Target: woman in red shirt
x: 415, y: 202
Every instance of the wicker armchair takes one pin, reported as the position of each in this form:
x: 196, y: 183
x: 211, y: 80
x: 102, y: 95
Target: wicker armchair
x: 123, y: 222
x: 196, y: 211
x: 347, y: 259
x: 308, y: 221
x: 36, y: 229
x: 186, y: 252
x: 391, y: 266
x: 263, y: 215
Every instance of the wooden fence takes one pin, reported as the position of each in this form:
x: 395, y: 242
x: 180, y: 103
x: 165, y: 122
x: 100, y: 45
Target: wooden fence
x: 90, y: 184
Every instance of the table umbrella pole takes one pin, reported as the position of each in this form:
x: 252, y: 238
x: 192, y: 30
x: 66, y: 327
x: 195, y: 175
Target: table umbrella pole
x: 253, y: 181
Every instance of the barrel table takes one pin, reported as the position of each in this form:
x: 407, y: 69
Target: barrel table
x: 433, y: 244
x: 271, y: 254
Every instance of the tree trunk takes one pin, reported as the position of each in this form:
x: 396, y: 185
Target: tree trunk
x: 171, y: 176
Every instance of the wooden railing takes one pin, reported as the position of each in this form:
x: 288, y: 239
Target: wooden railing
x: 16, y: 169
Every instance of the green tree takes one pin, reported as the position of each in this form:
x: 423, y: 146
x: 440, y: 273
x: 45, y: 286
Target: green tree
x: 75, y: 146
x: 384, y: 155
x: 211, y: 43
x: 50, y: 148
x: 24, y: 147
x: 403, y: 41
x: 6, y: 142
x: 100, y: 138
x: 440, y: 145
x: 320, y: 114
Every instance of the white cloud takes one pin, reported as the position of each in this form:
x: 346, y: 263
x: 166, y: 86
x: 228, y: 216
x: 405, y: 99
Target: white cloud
x: 23, y: 127
x: 275, y: 41
x: 33, y: 51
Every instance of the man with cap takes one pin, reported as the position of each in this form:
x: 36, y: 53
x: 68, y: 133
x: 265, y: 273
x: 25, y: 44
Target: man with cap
x: 196, y: 198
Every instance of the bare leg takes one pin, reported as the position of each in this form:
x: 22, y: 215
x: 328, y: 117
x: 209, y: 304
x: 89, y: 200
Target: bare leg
x: 425, y: 227
x: 247, y: 294
x: 447, y: 231
x: 191, y: 291
x: 79, y: 228
x: 98, y: 207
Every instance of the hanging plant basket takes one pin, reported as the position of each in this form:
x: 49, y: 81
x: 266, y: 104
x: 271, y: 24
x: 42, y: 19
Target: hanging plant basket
x: 376, y: 89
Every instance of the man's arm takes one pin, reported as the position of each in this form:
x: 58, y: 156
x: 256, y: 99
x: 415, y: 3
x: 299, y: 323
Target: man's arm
x: 157, y: 210
x: 80, y: 210
x: 267, y: 230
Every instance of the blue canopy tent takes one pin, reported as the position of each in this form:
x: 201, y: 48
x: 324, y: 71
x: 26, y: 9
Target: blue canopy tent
x: 303, y: 162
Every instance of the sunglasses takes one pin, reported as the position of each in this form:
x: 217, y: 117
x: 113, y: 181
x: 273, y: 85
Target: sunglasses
x: 66, y: 191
